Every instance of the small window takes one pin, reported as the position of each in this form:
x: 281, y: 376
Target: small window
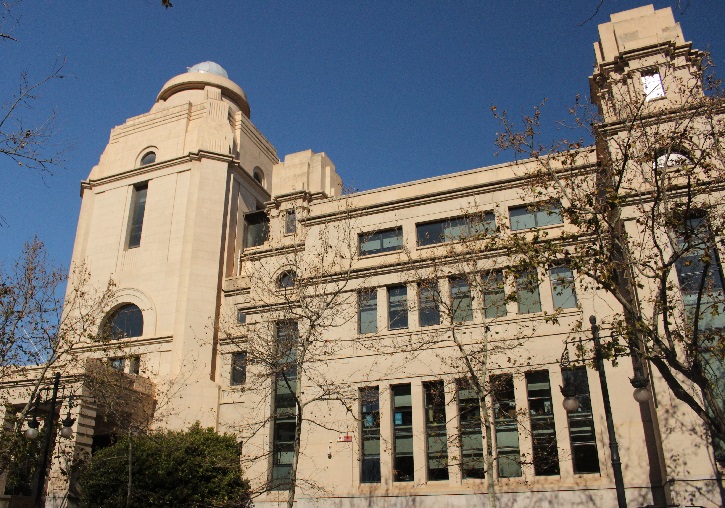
x: 535, y: 216
x: 241, y: 317
x: 134, y: 365
x: 494, y: 295
x: 257, y: 229
x: 287, y: 280
x: 290, y: 222
x: 117, y: 363
x: 461, y: 303
x: 258, y: 176
x: 397, y: 307
x: 239, y: 368
x: 367, y: 313
x: 380, y: 241
x: 429, y: 313
x: 562, y: 287
x: 456, y: 228
x: 672, y: 159
x: 138, y: 209
x: 652, y: 86
x: 527, y: 292
x: 124, y: 322
x: 148, y: 158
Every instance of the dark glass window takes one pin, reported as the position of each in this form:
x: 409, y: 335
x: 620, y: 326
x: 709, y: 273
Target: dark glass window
x: 287, y: 280
x: 535, y: 216
x: 370, y: 415
x: 543, y: 428
x: 397, y: 307
x: 239, y: 368
x: 285, y: 408
x: 125, y: 322
x: 469, y: 414
x: 290, y: 222
x: 581, y: 424
x: 367, y: 308
x: 562, y: 287
x: 527, y: 292
x: 494, y: 295
x: 435, y: 430
x: 258, y: 176
x: 117, y: 363
x: 380, y: 241
x: 257, y: 229
x: 429, y: 313
x: 505, y: 421
x: 134, y: 365
x: 241, y: 317
x: 148, y: 158
x: 403, y: 467
x: 138, y: 208
x: 456, y: 228
x: 461, y: 303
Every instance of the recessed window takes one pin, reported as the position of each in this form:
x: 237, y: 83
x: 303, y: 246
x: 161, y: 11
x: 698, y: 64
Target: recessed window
x: 256, y: 229
x: 652, y: 86
x: 134, y: 365
x: 367, y: 311
x: 124, y: 322
x: 456, y: 228
x: 494, y: 295
x: 461, y: 303
x: 287, y: 279
x: 672, y: 160
x: 471, y: 440
x: 241, y: 317
x: 138, y: 209
x: 429, y: 312
x: 117, y: 363
x: 562, y: 287
x: 386, y: 240
x: 581, y: 423
x: 543, y: 427
x: 506, y: 423
x: 535, y: 216
x: 527, y: 292
x: 148, y: 158
x: 435, y: 430
x: 239, y: 368
x: 370, y: 416
x: 290, y: 222
x: 403, y: 464
x: 258, y: 176
x: 397, y: 307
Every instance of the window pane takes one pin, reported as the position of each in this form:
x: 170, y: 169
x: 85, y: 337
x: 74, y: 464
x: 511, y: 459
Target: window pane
x: 521, y: 218
x: 285, y: 409
x: 527, y: 293
x: 370, y: 416
x: 469, y: 414
x: 239, y: 368
x: 125, y: 322
x: 428, y: 304
x: 380, y: 241
x: 581, y: 424
x: 548, y: 215
x: 494, y: 295
x: 403, y: 466
x: 652, y: 86
x: 535, y: 215
x: 543, y: 428
x: 456, y: 228
x: 367, y: 311
x: 562, y: 287
x: 506, y: 426
x: 398, y: 307
x: 435, y: 427
x: 257, y: 229
x: 290, y: 222
x: 138, y: 209
x: 461, y: 305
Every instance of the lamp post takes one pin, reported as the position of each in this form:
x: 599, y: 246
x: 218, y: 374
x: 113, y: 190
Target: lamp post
x: 32, y: 433
x: 571, y: 403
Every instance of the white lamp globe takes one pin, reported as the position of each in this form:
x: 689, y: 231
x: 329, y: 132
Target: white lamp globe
x: 641, y: 395
x: 31, y: 432
x: 571, y: 404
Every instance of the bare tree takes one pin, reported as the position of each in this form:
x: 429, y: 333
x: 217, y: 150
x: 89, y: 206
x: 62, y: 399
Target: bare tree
x: 645, y: 206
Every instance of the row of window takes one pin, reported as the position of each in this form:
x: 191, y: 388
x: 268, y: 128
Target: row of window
x: 460, y: 305
x: 427, y: 233
x: 506, y: 423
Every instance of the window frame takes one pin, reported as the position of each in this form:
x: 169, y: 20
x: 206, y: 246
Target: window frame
x: 373, y: 309
x: 558, y: 297
x: 535, y: 211
x: 380, y: 235
x: 399, y: 307
x: 252, y: 220
x: 238, y: 365
x: 464, y: 223
x: 137, y: 212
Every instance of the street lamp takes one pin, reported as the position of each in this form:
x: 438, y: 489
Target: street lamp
x: 32, y: 433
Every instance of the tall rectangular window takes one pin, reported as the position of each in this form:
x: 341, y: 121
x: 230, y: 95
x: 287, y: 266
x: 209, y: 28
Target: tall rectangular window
x: 543, y: 428
x: 581, y: 424
x: 239, y: 368
x: 562, y: 287
x: 256, y: 229
x: 652, y: 86
x: 505, y: 421
x: 397, y: 307
x: 380, y: 241
x: 469, y: 414
x: 403, y: 466
x: 290, y: 222
x: 456, y: 228
x: 285, y: 407
x: 435, y: 430
x: 535, y: 215
x: 367, y: 311
x: 494, y: 295
x: 370, y: 415
x: 138, y: 208
x: 461, y: 303
x: 527, y: 292
x: 429, y: 313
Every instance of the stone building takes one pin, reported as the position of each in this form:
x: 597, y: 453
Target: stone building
x: 245, y: 282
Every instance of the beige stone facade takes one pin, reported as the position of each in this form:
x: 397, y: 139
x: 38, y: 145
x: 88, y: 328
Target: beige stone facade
x: 210, y: 284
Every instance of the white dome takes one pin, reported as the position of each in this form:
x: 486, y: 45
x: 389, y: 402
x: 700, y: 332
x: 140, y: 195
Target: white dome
x: 209, y: 68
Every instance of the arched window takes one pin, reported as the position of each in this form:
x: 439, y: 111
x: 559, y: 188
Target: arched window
x: 672, y: 158
x: 287, y: 280
x: 148, y: 158
x: 258, y: 176
x: 125, y: 322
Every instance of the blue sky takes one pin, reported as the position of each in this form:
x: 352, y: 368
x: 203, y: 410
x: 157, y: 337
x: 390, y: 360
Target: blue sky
x: 392, y: 90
